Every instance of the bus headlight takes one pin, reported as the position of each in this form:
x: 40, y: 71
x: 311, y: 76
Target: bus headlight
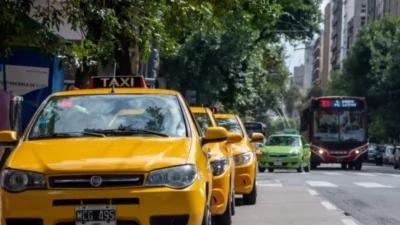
x: 321, y: 151
x: 357, y: 151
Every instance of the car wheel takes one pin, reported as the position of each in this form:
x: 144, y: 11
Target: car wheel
x: 207, y: 218
x: 251, y: 199
x: 300, y: 169
x: 271, y: 170
x: 233, y: 203
x: 261, y: 170
x: 307, y: 168
x: 396, y: 166
x: 226, y: 217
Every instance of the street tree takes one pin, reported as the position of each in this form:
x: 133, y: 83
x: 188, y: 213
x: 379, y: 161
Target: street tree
x: 371, y: 70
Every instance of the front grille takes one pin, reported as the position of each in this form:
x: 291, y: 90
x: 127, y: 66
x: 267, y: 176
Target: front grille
x: 278, y: 155
x: 84, y: 181
x: 170, y: 220
x: 96, y: 201
x: 10, y: 221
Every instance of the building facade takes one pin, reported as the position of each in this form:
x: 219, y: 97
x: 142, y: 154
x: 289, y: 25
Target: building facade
x: 337, y: 32
x: 308, y: 67
x: 326, y: 50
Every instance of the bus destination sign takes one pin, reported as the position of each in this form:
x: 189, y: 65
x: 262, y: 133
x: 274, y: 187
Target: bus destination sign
x: 338, y: 103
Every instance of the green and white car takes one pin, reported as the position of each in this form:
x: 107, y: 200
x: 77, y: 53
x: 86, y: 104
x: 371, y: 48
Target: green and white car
x: 285, y: 151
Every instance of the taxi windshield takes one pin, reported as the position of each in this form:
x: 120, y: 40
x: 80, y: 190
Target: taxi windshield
x: 203, y: 120
x: 284, y: 141
x: 150, y: 114
x: 230, y: 124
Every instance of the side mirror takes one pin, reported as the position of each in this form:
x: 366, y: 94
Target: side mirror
x: 214, y: 135
x: 234, y: 137
x: 258, y: 152
x: 306, y: 146
x: 8, y: 138
x: 257, y: 137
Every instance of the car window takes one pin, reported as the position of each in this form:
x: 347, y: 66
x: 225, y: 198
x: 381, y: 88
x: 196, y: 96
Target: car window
x: 230, y: 124
x: 203, y: 120
x: 65, y: 114
x: 284, y: 141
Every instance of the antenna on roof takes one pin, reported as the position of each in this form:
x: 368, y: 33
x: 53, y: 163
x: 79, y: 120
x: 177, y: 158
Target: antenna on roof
x: 113, y: 83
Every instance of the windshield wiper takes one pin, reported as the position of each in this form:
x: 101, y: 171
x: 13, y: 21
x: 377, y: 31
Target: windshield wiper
x: 126, y: 131
x: 66, y: 135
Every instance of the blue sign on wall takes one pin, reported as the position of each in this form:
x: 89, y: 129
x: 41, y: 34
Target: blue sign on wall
x: 34, y: 77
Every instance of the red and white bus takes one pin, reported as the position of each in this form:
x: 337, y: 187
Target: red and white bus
x: 337, y: 129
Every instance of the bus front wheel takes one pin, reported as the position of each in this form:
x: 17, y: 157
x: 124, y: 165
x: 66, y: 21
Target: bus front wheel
x: 313, y: 166
x: 358, y: 164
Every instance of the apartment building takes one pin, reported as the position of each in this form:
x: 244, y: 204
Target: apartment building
x: 337, y: 32
x: 317, y: 64
x: 392, y: 7
x: 308, y: 67
x: 326, y: 50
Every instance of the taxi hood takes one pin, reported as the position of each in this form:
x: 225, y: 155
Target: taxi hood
x: 100, y: 154
x: 280, y: 149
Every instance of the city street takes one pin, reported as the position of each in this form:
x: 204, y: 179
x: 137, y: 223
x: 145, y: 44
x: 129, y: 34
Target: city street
x: 325, y: 196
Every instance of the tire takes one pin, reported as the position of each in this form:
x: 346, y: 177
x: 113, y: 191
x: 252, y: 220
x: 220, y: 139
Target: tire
x: 251, y: 199
x: 261, y: 170
x: 207, y: 218
x: 300, y: 169
x: 271, y: 170
x: 344, y: 166
x: 358, y: 165
x: 233, y: 203
x: 395, y: 166
x: 226, y: 217
x: 313, y: 166
x: 307, y: 168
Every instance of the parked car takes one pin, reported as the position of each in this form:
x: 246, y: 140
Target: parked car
x: 380, y: 150
x: 388, y: 155
x: 396, y: 158
x: 371, y: 152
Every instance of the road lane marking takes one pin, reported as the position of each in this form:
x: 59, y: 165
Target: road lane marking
x: 349, y: 222
x: 269, y: 185
x: 371, y: 185
x: 312, y: 192
x: 365, y: 174
x: 328, y: 206
x: 320, y: 184
x: 333, y: 173
x: 394, y: 175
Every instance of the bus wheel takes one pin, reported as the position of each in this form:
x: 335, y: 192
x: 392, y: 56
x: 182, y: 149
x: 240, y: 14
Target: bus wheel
x: 313, y: 166
x: 344, y: 166
x: 358, y: 164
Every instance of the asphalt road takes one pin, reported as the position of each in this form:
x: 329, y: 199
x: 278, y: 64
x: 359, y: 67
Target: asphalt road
x: 325, y: 196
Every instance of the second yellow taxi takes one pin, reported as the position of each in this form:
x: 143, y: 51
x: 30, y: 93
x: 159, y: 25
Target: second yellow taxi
x: 245, y: 156
x: 223, y: 164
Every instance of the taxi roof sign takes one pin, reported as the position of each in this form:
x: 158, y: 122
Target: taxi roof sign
x: 117, y: 82
x: 289, y: 131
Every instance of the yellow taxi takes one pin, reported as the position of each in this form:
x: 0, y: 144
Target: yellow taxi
x: 244, y: 154
x: 119, y: 153
x: 223, y: 164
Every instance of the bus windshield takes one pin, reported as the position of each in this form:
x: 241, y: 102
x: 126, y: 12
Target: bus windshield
x: 333, y: 125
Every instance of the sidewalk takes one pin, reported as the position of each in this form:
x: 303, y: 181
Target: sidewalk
x: 290, y: 206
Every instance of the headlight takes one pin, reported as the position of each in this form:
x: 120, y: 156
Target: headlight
x: 295, y: 154
x: 219, y: 166
x: 243, y: 159
x: 173, y: 177
x: 19, y: 180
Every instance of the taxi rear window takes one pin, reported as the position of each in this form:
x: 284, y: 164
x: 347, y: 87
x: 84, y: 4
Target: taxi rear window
x: 230, y: 124
x: 77, y: 113
x: 203, y: 120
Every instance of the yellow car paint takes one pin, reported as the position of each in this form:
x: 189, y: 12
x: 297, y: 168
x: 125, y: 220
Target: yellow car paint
x: 110, y: 156
x: 245, y: 172
x: 223, y: 184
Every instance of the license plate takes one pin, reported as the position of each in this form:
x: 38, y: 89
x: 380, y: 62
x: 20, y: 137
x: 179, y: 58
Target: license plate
x: 95, y: 215
x: 278, y: 163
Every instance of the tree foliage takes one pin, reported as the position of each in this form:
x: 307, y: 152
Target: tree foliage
x: 281, y: 124
x: 291, y: 98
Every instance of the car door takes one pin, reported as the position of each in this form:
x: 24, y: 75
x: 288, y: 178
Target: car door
x: 305, y: 148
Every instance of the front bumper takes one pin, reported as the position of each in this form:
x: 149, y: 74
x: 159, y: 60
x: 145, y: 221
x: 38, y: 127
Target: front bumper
x: 220, y: 193
x: 135, y: 206
x: 327, y: 157
x: 288, y: 162
x: 244, y: 177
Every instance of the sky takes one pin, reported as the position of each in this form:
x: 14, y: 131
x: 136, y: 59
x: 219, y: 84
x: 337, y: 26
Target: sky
x: 296, y: 57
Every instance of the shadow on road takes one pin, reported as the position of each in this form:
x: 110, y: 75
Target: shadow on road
x: 238, y: 201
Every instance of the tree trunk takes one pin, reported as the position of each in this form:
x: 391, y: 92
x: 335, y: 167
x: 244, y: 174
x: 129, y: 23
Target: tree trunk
x: 123, y: 59
x: 82, y: 78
